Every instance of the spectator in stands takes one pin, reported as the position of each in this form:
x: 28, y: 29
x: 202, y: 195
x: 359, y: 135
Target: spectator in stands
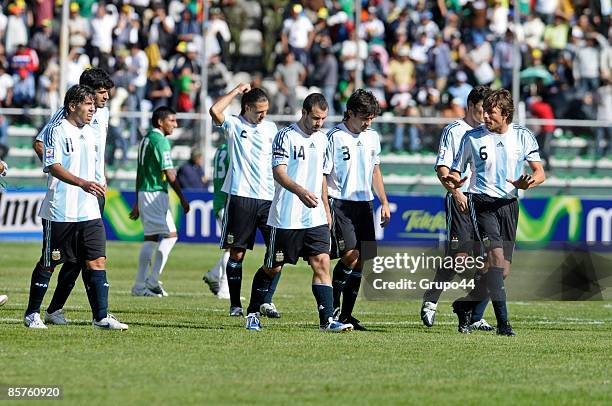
x: 326, y: 76
x: 24, y: 64
x: 289, y: 75
x: 555, y: 35
x: 187, y: 29
x: 76, y: 64
x: 460, y: 89
x: 102, y: 34
x: 158, y: 91
x: 402, y: 76
x: 440, y: 62
x: 533, y: 31
x: 352, y: 53
x: 297, y: 35
x: 78, y: 27
x: 498, y: 15
x: 162, y: 31
x: 6, y: 87
x: 478, y: 60
x: 16, y: 27
x: 372, y: 29
x: 504, y: 60
x: 48, y: 85
x: 418, y: 55
x: 127, y: 30
x: 137, y: 63
x: 191, y: 174
x: 218, y: 77
x: 220, y: 32
x: 543, y: 110
x: 586, y: 65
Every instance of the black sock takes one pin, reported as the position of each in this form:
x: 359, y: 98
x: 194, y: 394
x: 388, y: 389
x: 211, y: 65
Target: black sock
x: 479, y: 295
x: 91, y: 294
x: 272, y: 288
x: 259, y: 290
x: 442, y: 275
x: 38, y: 287
x: 65, y: 283
x: 323, y: 295
x: 341, y: 274
x: 497, y: 292
x: 350, y: 293
x: 234, y: 281
x: 98, y: 286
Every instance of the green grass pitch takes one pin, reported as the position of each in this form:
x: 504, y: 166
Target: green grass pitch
x: 185, y: 349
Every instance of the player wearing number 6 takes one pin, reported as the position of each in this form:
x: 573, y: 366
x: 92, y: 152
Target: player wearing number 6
x: 354, y: 150
x: 496, y: 153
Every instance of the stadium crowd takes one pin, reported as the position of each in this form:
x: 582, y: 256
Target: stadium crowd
x: 420, y: 58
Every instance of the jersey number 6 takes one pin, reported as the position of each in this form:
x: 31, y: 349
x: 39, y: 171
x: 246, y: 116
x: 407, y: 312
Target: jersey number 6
x: 483, y: 153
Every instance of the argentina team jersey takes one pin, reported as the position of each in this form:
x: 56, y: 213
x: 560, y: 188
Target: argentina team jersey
x: 75, y: 149
x: 304, y: 157
x: 450, y: 141
x: 352, y: 158
x: 250, y: 168
x: 99, y: 123
x: 494, y: 158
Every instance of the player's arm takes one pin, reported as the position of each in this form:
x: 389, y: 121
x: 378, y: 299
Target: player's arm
x: 443, y: 171
x: 379, y: 189
x: 280, y: 175
x: 173, y: 181
x: 217, y: 109
x: 529, y: 181
x: 38, y: 148
x: 453, y: 179
x: 326, y: 202
x: 134, y: 214
x: 3, y: 168
x: 59, y: 172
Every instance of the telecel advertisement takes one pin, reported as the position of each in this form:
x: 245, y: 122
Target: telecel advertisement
x: 414, y: 218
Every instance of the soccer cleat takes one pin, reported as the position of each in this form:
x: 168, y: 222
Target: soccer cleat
x: 428, y: 313
x: 505, y: 330
x: 110, y: 322
x: 3, y: 299
x: 252, y: 322
x: 336, y: 314
x: 57, y: 317
x: 269, y: 310
x: 146, y: 292
x: 236, y: 311
x: 212, y: 282
x: 33, y: 320
x: 464, y: 314
x: 481, y: 325
x: 354, y: 322
x: 158, y: 289
x: 334, y: 326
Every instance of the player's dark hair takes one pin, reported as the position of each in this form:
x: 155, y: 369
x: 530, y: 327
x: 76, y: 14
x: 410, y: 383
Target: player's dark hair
x: 76, y: 95
x: 478, y: 94
x: 253, y: 96
x: 315, y: 99
x: 160, y: 114
x: 96, y: 78
x: 501, y: 99
x: 362, y: 102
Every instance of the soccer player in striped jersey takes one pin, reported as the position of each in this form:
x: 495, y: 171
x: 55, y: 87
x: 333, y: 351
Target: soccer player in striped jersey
x: 216, y: 278
x: 299, y: 215
x: 155, y: 171
x: 249, y: 183
x: 102, y: 84
x: 354, y: 150
x: 496, y: 153
x: 459, y: 226
x: 72, y: 224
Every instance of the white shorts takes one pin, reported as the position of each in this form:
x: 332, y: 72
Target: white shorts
x: 155, y: 213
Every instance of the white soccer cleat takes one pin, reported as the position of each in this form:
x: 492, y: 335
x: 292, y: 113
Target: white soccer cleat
x: 482, y: 325
x: 142, y: 291
x: 428, y: 313
x: 33, y: 320
x: 110, y: 322
x: 334, y: 326
x: 57, y: 317
x: 269, y: 310
x: 3, y: 299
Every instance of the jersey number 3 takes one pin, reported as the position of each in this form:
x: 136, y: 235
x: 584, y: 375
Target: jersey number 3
x: 345, y: 153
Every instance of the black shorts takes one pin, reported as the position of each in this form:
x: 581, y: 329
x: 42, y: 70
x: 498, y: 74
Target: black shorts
x: 242, y: 217
x: 352, y: 225
x: 459, y: 228
x: 288, y: 245
x: 72, y: 242
x: 497, y: 221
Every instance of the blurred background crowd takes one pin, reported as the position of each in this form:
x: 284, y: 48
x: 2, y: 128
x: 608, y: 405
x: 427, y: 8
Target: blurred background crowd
x: 420, y: 58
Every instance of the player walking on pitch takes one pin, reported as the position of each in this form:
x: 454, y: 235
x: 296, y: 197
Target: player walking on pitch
x: 496, y: 153
x: 299, y: 215
x: 354, y: 150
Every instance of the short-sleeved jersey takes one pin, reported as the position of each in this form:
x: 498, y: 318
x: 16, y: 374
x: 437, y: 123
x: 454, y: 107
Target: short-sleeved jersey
x: 99, y: 123
x: 153, y: 158
x: 449, y: 145
x: 75, y: 150
x: 304, y: 156
x: 494, y: 158
x: 352, y: 159
x: 220, y: 167
x: 250, y: 148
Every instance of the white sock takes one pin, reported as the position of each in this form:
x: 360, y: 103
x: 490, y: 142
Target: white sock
x: 144, y: 261
x: 224, y: 259
x: 218, y: 271
x: 161, y: 257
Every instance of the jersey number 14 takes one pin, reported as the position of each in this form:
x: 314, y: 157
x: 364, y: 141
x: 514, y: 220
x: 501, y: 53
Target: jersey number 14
x: 298, y: 153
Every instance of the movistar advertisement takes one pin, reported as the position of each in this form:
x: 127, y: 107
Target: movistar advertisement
x: 414, y: 218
